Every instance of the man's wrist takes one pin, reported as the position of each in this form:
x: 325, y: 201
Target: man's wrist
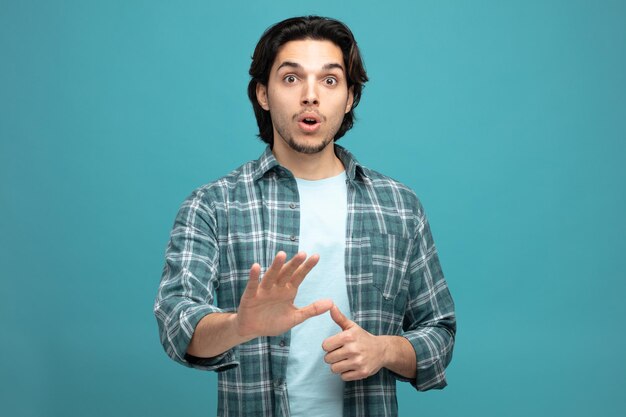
x: 387, y: 347
x: 399, y: 356
x: 242, y: 333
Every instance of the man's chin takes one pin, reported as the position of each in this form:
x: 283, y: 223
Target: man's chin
x: 308, y: 147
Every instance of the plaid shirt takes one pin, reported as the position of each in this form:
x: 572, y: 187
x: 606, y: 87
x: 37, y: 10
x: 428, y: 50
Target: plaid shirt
x: 395, y: 283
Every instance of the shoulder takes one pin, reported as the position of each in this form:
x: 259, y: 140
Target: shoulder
x: 382, y: 189
x: 216, y: 193
x: 393, y: 201
x: 396, y: 192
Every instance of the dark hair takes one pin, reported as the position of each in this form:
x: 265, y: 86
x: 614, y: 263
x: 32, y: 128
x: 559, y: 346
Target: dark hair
x: 297, y: 28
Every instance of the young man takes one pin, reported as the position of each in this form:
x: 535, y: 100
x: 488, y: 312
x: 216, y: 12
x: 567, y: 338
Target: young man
x: 239, y: 294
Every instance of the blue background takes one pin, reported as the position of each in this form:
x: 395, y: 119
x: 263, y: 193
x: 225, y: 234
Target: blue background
x: 507, y: 118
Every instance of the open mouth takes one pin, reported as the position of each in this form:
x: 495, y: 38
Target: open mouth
x: 309, y: 122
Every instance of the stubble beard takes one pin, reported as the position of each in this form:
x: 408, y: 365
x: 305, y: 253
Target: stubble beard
x: 305, y: 148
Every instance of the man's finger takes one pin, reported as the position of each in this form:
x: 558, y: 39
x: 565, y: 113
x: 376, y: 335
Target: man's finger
x: 342, y: 367
x: 333, y: 342
x: 302, y: 271
x: 343, y: 322
x: 289, y: 268
x: 352, y: 376
x: 271, y: 275
x: 336, y: 355
x: 312, y: 310
x: 253, y: 281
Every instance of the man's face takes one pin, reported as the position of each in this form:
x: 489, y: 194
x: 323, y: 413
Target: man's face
x: 307, y: 95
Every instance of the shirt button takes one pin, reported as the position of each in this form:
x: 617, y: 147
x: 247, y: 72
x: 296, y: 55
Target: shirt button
x: 292, y: 205
x: 293, y: 238
x: 282, y: 343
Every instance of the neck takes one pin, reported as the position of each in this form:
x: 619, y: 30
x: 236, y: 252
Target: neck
x: 317, y: 166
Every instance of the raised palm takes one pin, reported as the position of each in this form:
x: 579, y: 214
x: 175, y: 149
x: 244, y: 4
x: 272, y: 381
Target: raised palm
x: 266, y: 308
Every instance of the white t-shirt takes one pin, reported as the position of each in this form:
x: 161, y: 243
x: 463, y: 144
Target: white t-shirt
x: 312, y: 388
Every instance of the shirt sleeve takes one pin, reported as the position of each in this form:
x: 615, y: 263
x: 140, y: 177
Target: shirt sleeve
x: 188, y: 284
x: 429, y: 321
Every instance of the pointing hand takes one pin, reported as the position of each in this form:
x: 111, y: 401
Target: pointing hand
x: 353, y: 353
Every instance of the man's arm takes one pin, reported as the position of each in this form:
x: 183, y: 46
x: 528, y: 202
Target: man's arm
x: 189, y: 281
x: 429, y: 319
x: 192, y: 329
x: 266, y: 308
x: 424, y: 350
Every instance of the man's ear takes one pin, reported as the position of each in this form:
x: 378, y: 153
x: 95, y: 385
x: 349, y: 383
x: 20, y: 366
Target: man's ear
x: 350, y: 99
x: 261, y: 96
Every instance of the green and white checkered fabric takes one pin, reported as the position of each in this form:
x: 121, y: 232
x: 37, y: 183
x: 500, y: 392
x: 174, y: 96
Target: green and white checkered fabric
x: 395, y: 283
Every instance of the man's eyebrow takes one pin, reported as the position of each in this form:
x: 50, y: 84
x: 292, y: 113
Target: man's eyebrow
x: 289, y: 64
x: 333, y: 65
x: 298, y: 66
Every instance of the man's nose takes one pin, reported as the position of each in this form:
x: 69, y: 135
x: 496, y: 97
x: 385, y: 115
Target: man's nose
x: 309, y: 94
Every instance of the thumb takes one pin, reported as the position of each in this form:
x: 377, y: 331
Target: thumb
x: 343, y: 322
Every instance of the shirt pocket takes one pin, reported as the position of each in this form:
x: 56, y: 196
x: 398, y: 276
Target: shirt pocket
x: 391, y: 255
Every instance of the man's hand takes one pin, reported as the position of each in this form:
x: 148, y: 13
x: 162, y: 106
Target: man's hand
x: 266, y: 308
x: 354, y: 353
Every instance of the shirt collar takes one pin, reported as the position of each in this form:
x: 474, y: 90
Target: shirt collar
x: 267, y: 162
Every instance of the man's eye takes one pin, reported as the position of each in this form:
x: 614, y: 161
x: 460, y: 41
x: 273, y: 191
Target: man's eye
x: 290, y: 79
x: 331, y: 81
